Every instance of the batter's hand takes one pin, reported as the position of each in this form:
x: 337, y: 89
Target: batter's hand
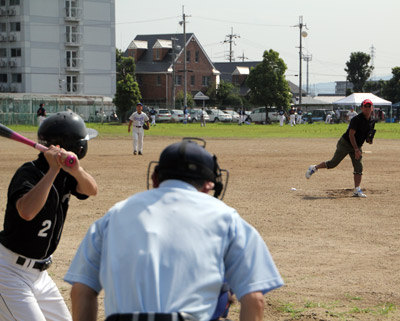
x: 62, y: 156
x: 52, y: 157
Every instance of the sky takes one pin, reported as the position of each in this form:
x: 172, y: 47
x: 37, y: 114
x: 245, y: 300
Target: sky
x: 334, y: 30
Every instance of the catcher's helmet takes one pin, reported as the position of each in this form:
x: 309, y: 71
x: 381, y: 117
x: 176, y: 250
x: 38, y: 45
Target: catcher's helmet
x: 188, y: 160
x: 66, y: 129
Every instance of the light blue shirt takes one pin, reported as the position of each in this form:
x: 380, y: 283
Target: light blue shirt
x: 168, y: 250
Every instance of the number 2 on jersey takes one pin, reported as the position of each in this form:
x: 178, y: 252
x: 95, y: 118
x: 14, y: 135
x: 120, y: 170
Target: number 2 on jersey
x: 43, y: 231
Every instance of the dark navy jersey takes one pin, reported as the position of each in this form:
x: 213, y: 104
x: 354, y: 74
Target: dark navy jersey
x: 299, y: 112
x: 281, y: 112
x: 38, y: 238
x: 41, y: 112
x: 152, y: 112
x: 362, y: 126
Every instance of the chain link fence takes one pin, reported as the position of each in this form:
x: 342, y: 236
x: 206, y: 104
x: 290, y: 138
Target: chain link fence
x: 21, y: 109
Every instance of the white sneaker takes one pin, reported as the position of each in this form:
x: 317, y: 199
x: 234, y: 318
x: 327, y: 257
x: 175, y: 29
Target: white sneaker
x: 311, y: 170
x: 358, y: 193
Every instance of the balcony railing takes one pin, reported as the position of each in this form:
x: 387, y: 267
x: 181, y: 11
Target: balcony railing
x: 73, y: 38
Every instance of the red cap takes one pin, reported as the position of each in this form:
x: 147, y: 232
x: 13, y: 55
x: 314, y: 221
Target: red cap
x: 367, y: 102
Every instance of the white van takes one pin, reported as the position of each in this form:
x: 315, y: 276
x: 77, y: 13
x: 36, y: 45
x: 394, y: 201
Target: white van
x: 258, y: 115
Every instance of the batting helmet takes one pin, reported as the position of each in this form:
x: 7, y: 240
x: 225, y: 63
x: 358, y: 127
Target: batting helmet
x: 188, y: 160
x: 66, y: 129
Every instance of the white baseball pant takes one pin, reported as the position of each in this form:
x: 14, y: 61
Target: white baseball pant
x: 281, y: 120
x: 27, y: 293
x: 138, y: 134
x: 292, y: 119
x: 153, y: 119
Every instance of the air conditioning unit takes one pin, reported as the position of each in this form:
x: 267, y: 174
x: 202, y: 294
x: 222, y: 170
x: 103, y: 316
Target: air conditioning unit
x: 12, y: 38
x: 3, y: 63
x: 12, y: 63
x: 2, y: 38
x: 11, y: 12
x: 3, y: 12
x: 13, y: 88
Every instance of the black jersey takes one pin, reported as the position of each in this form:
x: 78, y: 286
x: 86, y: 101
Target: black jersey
x: 41, y: 112
x: 38, y: 238
x: 362, y: 126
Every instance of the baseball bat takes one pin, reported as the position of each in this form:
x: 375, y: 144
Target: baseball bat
x: 9, y: 133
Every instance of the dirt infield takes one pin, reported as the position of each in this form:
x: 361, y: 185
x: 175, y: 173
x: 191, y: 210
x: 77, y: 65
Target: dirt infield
x: 338, y: 255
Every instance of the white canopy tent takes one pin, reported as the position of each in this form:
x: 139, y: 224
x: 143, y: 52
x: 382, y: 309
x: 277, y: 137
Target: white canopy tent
x: 356, y: 99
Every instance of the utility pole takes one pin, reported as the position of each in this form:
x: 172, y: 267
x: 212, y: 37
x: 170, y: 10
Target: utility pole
x: 243, y: 57
x: 372, y: 50
x: 302, y: 34
x: 173, y: 70
x: 183, y: 23
x: 307, y: 59
x: 229, y: 39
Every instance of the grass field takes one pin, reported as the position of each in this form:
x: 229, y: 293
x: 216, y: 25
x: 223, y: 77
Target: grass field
x: 316, y: 130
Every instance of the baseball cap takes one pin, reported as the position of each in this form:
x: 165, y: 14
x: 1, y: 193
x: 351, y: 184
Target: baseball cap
x: 139, y: 104
x: 367, y: 102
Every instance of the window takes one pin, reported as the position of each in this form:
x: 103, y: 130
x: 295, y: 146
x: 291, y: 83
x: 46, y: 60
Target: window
x: 72, y: 58
x: 2, y: 3
x: 71, y: 10
x: 187, y: 56
x: 206, y: 81
x: 72, y: 84
x: 3, y: 78
x: 196, y: 56
x: 192, y: 80
x: 3, y: 27
x: 139, y: 79
x: 15, y: 52
x: 14, y: 2
x: 15, y: 26
x: 178, y: 80
x: 71, y: 34
x: 3, y: 52
x: 157, y: 54
x: 16, y: 78
x: 158, y: 80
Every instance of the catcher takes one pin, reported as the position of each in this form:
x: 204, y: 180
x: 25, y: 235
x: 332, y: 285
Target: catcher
x: 361, y: 129
x: 140, y: 123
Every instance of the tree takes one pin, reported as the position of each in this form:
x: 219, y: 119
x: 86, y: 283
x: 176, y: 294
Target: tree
x: 127, y: 94
x: 358, y: 70
x: 392, y: 89
x: 267, y: 83
x: 180, y: 99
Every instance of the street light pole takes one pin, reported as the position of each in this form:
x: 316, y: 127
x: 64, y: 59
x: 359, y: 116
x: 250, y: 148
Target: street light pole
x: 184, y: 58
x: 302, y: 34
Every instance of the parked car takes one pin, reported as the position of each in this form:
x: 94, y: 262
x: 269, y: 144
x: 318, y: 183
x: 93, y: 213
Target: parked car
x: 258, y: 115
x: 163, y: 115
x: 195, y: 115
x: 316, y: 115
x: 217, y: 115
x: 177, y: 115
x: 234, y: 114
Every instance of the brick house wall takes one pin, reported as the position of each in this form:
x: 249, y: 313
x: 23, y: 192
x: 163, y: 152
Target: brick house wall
x: 157, y: 87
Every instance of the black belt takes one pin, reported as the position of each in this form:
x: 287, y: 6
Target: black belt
x: 41, y: 266
x: 147, y: 317
x: 138, y: 126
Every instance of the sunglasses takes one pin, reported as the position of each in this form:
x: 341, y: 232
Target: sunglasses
x: 367, y: 106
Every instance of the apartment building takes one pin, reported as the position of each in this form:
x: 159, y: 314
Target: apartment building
x: 57, y: 47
